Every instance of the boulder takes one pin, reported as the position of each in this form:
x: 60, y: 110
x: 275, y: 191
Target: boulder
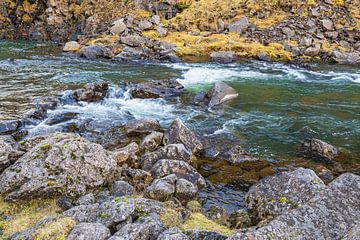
x: 223, y: 56
x: 181, y: 169
x: 312, y: 51
x: 124, y: 154
x: 142, y: 126
x: 185, y: 191
x: 152, y: 141
x: 62, y: 163
x: 346, y: 58
x: 85, y: 200
x: 240, y: 219
x: 97, y: 51
x: 239, y: 26
x: 8, y: 152
x: 275, y: 195
x: 8, y: 127
x: 138, y: 178
x: 219, y: 93
x: 162, y: 189
x: 179, y: 133
x: 60, y: 118
x: 89, y: 231
x: 237, y: 156
x: 122, y: 188
x: 145, y: 25
x: 72, y: 46
x: 354, y: 233
x: 157, y: 89
x: 130, y: 54
x: 172, y: 234
x: 161, y: 31
x: 204, y: 234
x: 171, y: 151
x: 319, y: 150
x: 92, y: 92
x: 330, y: 214
x: 328, y: 24
x: 133, y: 40
x: 118, y: 27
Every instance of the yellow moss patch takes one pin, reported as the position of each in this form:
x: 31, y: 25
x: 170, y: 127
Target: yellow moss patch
x: 58, y: 229
x: 151, y: 34
x: 142, y: 13
x: 26, y: 214
x: 200, y: 222
x: 108, y: 40
x: 269, y: 21
x: 328, y: 47
x: 170, y: 217
x: 28, y: 7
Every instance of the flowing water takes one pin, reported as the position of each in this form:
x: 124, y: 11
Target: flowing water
x: 278, y: 105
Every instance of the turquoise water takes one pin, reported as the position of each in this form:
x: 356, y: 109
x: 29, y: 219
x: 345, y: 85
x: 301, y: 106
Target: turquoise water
x: 278, y: 105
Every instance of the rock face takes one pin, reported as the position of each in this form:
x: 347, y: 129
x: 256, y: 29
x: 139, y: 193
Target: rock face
x: 89, y: 231
x: 219, y: 93
x: 179, y: 133
x: 93, y: 52
x: 275, y: 195
x: 331, y: 214
x: 239, y: 26
x: 92, y: 92
x: 60, y: 164
x: 157, y: 89
x: 319, y: 150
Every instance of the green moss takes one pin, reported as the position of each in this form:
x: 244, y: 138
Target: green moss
x: 50, y: 183
x: 289, y: 201
x: 73, y: 156
x: 57, y: 229
x: 170, y: 217
x: 45, y: 147
x: 194, y: 206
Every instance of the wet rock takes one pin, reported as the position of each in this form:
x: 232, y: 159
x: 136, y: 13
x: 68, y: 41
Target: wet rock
x: 142, y: 126
x: 162, y: 189
x: 62, y: 163
x: 157, y: 89
x: 122, y: 188
x: 92, y: 92
x: 152, y: 141
x: 179, y: 133
x: 47, y: 103
x: 147, y: 228
x: 330, y: 214
x: 203, y: 234
x: 275, y: 195
x: 239, y: 26
x: 37, y: 113
x: 124, y: 154
x: 199, y: 98
x: 181, y: 169
x: 59, y: 118
x: 219, y: 93
x: 236, y: 156
x: 93, y: 52
x: 118, y: 27
x: 8, y: 150
x: 223, y: 56
x: 109, y: 213
x: 346, y: 58
x: 89, y: 231
x: 185, y: 190
x: 171, y: 151
x: 133, y: 40
x: 319, y: 150
x: 172, y: 234
x: 71, y: 47
x: 8, y: 127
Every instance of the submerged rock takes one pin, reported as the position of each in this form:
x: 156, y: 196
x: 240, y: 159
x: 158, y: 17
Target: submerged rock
x: 8, y: 127
x: 89, y: 231
x: 62, y: 163
x: 92, y: 92
x: 319, y: 150
x: 219, y: 93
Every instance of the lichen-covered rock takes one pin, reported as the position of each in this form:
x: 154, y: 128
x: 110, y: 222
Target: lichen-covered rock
x: 162, y: 189
x: 89, y: 231
x: 179, y: 133
x: 142, y: 126
x: 236, y: 156
x: 219, y: 93
x: 275, y: 195
x: 172, y: 234
x: 331, y: 214
x: 354, y: 233
x: 92, y: 92
x: 204, y: 234
x: 8, y: 152
x: 319, y: 150
x: 125, y: 153
x: 93, y: 52
x: 62, y: 163
x: 122, y: 188
x: 185, y: 190
x: 152, y: 141
x: 171, y: 151
x: 71, y: 46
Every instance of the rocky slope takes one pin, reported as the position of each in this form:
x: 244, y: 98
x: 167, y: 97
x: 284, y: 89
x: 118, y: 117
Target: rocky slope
x: 314, y: 30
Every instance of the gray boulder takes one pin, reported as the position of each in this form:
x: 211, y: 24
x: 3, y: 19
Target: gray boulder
x: 161, y: 31
x: 152, y: 141
x: 142, y: 126
x: 220, y: 93
x: 346, y: 58
x: 122, y: 188
x: 172, y: 234
x: 185, y: 190
x: 319, y: 150
x: 123, y: 154
x: 354, y: 233
x: 145, y: 25
x: 179, y: 133
x: 162, y: 189
x: 204, y: 235
x: 331, y: 214
x: 239, y: 26
x: 8, y: 127
x: 275, y: 195
x: 118, y: 27
x: 62, y: 163
x: 133, y: 40
x: 72, y: 46
x: 85, y: 200
x: 312, y: 51
x: 236, y: 156
x: 138, y: 178
x: 223, y: 56
x: 157, y: 89
x: 93, y: 52
x: 92, y: 92
x: 8, y: 152
x: 328, y: 24
x: 89, y: 231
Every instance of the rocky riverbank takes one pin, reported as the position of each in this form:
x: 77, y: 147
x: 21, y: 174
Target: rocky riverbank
x: 309, y: 31
x: 139, y: 180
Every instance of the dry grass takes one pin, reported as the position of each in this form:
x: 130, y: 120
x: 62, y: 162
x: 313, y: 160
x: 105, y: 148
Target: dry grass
x: 57, y: 229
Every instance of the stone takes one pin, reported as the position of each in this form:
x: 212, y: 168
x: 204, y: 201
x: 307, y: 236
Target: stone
x: 8, y: 127
x: 37, y: 113
x: 130, y: 54
x: 61, y: 164
x: 142, y: 126
x: 179, y: 133
x: 288, y: 32
x: 118, y: 27
x: 124, y: 154
x: 8, y: 149
x: 328, y: 24
x: 240, y: 219
x: 185, y: 190
x: 97, y: 51
x: 239, y: 26
x: 152, y: 141
x: 275, y: 195
x: 346, y: 58
x: 86, y: 199
x: 89, y: 231
x: 236, y: 156
x: 109, y: 213
x: 220, y: 93
x: 145, y: 25
x: 146, y: 206
x: 155, y: 19
x: 161, y: 31
x: 47, y: 103
x: 92, y: 92
x: 181, y: 169
x: 319, y: 150
x: 122, y: 188
x: 157, y: 89
x: 71, y: 46
x: 132, y: 40
x: 223, y: 56
x: 162, y: 189
x: 312, y: 51
x: 354, y: 233
x: 138, y: 178
x: 330, y: 214
x: 171, y: 151
x: 60, y: 118
x: 172, y: 234
x: 306, y: 42
x: 204, y: 234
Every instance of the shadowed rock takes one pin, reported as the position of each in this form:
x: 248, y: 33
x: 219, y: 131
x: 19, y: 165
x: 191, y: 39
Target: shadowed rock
x: 157, y: 89
x: 92, y: 92
x: 319, y: 150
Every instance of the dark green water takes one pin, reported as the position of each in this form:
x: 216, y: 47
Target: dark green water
x: 278, y: 107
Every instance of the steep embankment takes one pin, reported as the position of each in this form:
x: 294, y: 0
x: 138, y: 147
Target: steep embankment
x: 313, y: 30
